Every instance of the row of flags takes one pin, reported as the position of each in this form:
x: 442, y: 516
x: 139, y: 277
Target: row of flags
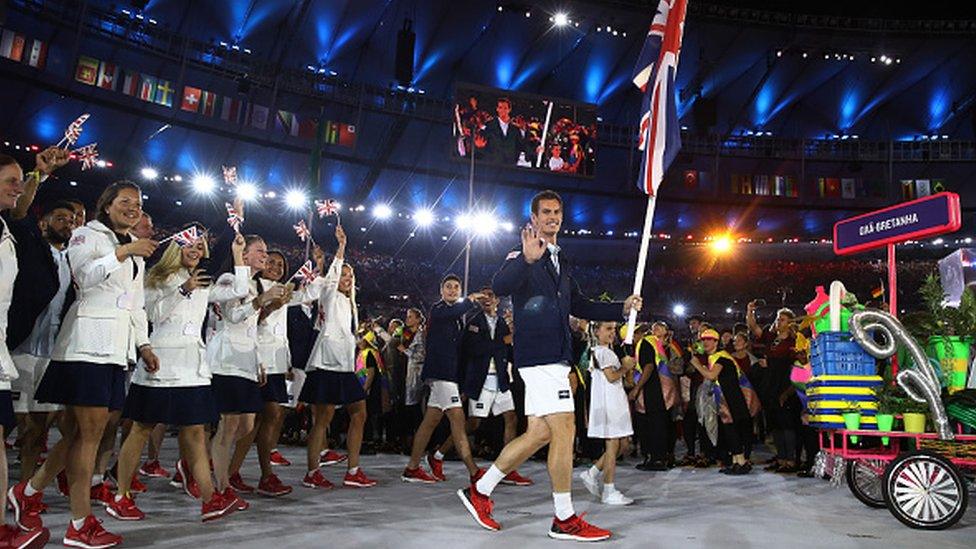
x: 918, y: 188
x: 112, y: 77
x: 19, y: 48
x: 765, y: 185
x: 849, y: 187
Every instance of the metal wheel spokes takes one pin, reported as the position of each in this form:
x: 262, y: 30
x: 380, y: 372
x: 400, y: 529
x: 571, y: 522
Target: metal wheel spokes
x: 925, y: 491
x: 868, y: 476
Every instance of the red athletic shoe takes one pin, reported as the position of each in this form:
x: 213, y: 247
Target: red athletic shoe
x: 480, y: 507
x: 273, y: 487
x: 478, y: 474
x: 278, y: 459
x: 124, y: 508
x: 436, y: 467
x: 136, y: 486
x: 63, y: 484
x: 515, y: 479
x: 315, y: 479
x: 177, y: 480
x: 238, y: 484
x: 27, y: 510
x: 101, y: 493
x: 217, y: 507
x: 187, y: 482
x: 91, y: 535
x: 575, y: 528
x: 11, y: 536
x: 331, y: 457
x: 359, y: 480
x: 153, y: 469
x: 417, y: 475
x: 230, y: 494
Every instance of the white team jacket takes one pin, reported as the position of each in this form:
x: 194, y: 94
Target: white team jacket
x: 335, y: 346
x: 176, y: 335
x: 233, y: 349
x: 273, y: 349
x: 107, y: 322
x: 8, y: 273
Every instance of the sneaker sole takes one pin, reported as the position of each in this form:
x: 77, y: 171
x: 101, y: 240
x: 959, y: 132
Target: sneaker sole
x: 514, y: 483
x: 316, y: 486
x: 221, y: 513
x: 473, y: 512
x: 275, y: 464
x: 328, y: 463
x: 417, y: 480
x: 266, y: 493
x: 358, y: 484
x: 571, y: 537
x: 112, y: 513
x: 39, y: 540
x: 152, y: 475
x: 72, y: 543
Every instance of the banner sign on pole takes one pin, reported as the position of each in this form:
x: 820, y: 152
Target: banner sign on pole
x: 926, y: 217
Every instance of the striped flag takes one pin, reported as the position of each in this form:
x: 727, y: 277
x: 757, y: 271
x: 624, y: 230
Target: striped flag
x: 187, y: 237
x: 147, y: 87
x: 234, y: 219
x: 130, y: 83
x: 37, y: 57
x: 108, y: 76
x: 12, y: 45
x: 301, y: 229
x: 327, y: 207
x: 306, y: 272
x: 660, y: 132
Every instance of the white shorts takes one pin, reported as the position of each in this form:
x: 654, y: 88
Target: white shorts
x: 491, y: 402
x: 443, y: 395
x: 30, y: 370
x: 547, y: 389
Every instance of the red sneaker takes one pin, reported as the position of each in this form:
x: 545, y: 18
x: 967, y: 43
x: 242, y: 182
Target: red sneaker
x: 240, y: 502
x: 217, y: 507
x: 238, y: 484
x: 478, y: 474
x: 101, y: 493
x: 91, y: 535
x: 177, y: 480
x: 315, y: 479
x: 124, y: 508
x: 417, y: 475
x: 273, y: 487
x: 575, y: 528
x: 436, y: 467
x: 63, y: 484
x: 515, y: 479
x: 153, y: 469
x: 278, y: 459
x: 27, y: 510
x: 480, y: 507
x: 137, y: 486
x: 330, y: 457
x: 11, y: 536
x: 359, y: 480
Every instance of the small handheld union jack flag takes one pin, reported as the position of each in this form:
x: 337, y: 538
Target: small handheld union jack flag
x: 187, y: 237
x: 234, y: 219
x: 327, y: 207
x: 306, y: 272
x: 301, y: 229
x: 230, y: 175
x: 73, y: 132
x: 88, y: 155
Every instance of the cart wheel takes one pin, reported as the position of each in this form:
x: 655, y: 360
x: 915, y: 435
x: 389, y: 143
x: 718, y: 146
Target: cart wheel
x: 925, y: 490
x: 864, y: 478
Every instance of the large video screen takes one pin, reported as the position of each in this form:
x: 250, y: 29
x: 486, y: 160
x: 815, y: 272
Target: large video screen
x: 503, y: 128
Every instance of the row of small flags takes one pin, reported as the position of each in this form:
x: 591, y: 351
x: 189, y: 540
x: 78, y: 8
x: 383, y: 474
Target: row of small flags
x: 109, y: 76
x: 19, y: 48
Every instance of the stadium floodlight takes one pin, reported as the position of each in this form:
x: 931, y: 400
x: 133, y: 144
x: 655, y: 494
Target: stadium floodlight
x: 722, y: 244
x: 203, y: 183
x: 484, y: 223
x: 247, y: 191
x: 678, y: 310
x: 149, y: 173
x: 560, y: 19
x: 382, y: 211
x: 296, y: 199
x: 423, y: 217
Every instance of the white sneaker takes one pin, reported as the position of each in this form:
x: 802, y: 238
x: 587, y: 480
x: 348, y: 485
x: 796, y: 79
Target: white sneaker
x: 592, y: 484
x: 616, y: 498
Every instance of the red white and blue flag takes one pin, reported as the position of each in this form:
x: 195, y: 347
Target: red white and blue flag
x: 301, y: 229
x: 657, y: 66
x: 88, y: 155
x: 74, y: 130
x: 230, y: 175
x: 306, y: 272
x: 234, y: 218
x: 327, y: 207
x: 187, y: 237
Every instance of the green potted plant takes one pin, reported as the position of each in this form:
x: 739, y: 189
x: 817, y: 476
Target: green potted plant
x: 948, y: 331
x: 852, y: 418
x: 913, y: 414
x: 888, y: 402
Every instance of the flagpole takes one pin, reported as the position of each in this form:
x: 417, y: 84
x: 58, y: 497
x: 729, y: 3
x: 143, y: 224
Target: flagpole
x: 641, y: 264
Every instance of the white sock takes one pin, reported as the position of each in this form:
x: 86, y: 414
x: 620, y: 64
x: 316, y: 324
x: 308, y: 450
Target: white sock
x: 438, y: 455
x: 77, y: 523
x: 97, y: 479
x: 353, y: 470
x: 324, y: 451
x: 563, y: 503
x: 486, y: 485
x: 118, y: 497
x: 273, y: 450
x: 594, y: 471
x: 29, y: 490
x: 608, y: 488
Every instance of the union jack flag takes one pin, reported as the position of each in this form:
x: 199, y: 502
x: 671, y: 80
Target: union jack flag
x: 327, y: 207
x: 88, y: 155
x: 73, y: 132
x: 301, y: 229
x: 230, y: 175
x: 660, y: 133
x: 306, y: 272
x: 187, y: 237
x: 234, y: 219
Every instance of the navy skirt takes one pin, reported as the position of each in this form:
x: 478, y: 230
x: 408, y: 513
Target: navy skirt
x: 327, y: 387
x: 7, y: 419
x: 170, y: 405
x: 236, y: 395
x: 275, y: 390
x: 83, y: 384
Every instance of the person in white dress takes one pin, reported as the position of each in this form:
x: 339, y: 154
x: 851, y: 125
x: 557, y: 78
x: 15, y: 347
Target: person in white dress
x: 609, y: 412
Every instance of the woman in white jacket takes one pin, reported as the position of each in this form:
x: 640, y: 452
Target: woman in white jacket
x: 232, y: 353
x: 102, y: 332
x: 178, y: 393
x: 330, y: 374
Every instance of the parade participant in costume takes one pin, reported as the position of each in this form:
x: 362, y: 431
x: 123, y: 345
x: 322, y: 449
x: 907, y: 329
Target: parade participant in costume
x: 485, y: 347
x: 330, y: 373
x: 658, y: 386
x: 102, y: 331
x: 441, y: 373
x: 544, y: 294
x: 609, y: 412
x: 178, y: 393
x: 236, y: 304
x: 11, y: 189
x: 273, y: 353
x: 735, y: 426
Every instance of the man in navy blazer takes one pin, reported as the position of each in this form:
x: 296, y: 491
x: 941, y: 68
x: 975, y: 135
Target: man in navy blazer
x: 544, y: 295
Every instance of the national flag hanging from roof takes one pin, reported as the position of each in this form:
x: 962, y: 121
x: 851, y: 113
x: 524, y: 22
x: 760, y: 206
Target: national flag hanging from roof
x: 657, y: 66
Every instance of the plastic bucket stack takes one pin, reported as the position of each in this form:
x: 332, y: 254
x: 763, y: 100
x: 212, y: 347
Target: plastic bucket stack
x: 844, y: 376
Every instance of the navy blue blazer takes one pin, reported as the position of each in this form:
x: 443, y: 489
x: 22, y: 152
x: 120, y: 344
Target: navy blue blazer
x: 443, y: 342
x: 477, y: 350
x: 542, y: 302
